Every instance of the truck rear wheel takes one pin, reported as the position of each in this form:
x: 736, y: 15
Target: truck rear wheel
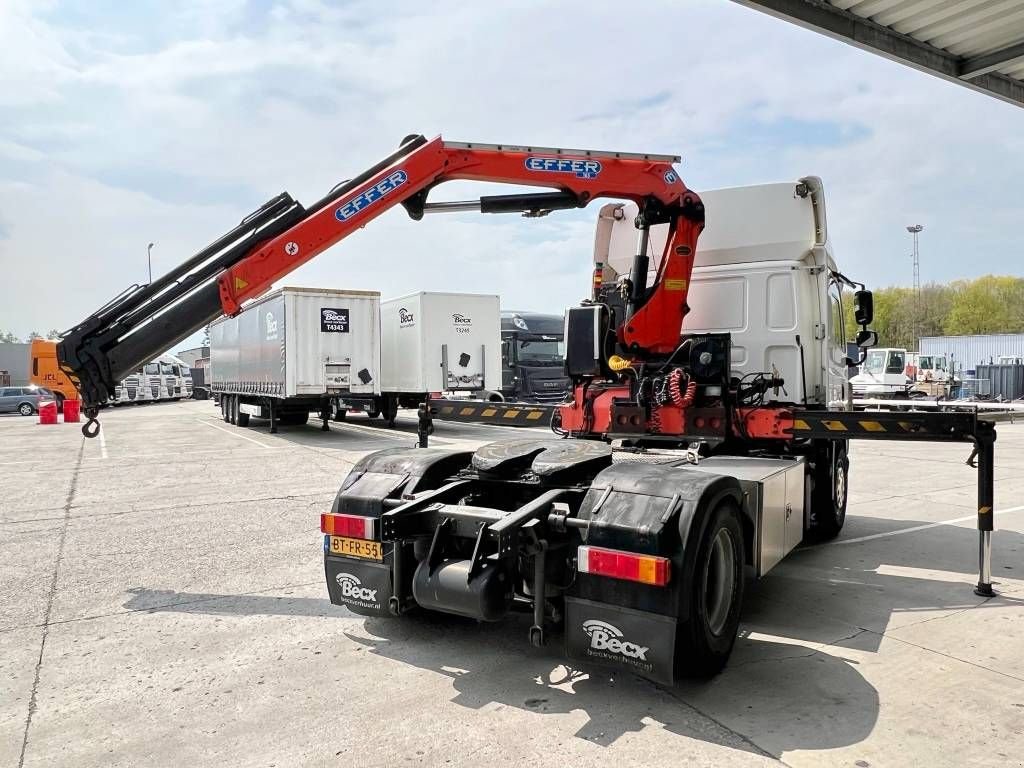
x: 829, y: 492
x: 706, y: 635
x: 224, y: 409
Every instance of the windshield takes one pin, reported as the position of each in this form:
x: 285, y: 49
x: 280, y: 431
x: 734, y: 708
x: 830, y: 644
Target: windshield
x: 152, y: 368
x: 166, y: 368
x: 540, y: 351
x: 924, y: 362
x: 875, y: 361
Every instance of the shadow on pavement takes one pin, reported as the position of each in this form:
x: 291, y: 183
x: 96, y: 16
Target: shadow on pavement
x: 786, y: 695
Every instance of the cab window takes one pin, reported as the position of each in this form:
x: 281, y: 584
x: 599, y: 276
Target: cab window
x: 895, y: 363
x: 835, y: 301
x: 152, y: 368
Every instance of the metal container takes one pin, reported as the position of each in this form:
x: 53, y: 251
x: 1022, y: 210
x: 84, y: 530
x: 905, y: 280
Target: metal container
x: 441, y: 342
x: 1006, y: 381
x: 299, y: 342
x: 773, y: 500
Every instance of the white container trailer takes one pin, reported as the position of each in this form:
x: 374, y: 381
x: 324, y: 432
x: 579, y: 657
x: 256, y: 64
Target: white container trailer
x: 296, y: 350
x: 440, y: 342
x: 435, y: 343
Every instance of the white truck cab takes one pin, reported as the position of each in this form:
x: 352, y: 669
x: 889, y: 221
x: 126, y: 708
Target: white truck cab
x: 883, y: 374
x: 932, y: 368
x: 764, y: 273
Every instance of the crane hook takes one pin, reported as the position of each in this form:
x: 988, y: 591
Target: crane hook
x: 91, y: 428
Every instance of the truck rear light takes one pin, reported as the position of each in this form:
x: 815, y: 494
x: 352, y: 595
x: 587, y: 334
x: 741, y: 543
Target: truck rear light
x: 647, y: 569
x: 353, y: 526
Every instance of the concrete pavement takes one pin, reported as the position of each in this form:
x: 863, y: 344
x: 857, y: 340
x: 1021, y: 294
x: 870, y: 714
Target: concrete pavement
x: 162, y: 603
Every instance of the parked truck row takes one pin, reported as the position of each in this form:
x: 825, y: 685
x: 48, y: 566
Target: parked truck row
x: 298, y: 351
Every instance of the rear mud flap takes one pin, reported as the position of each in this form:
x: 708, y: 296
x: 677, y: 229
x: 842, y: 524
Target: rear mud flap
x: 637, y: 641
x: 361, y: 586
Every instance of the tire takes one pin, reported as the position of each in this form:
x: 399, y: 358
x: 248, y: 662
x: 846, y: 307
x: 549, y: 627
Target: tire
x: 707, y: 633
x: 372, y: 413
x: 337, y: 414
x: 26, y: 409
x: 830, y: 488
x: 233, y: 409
x: 224, y: 409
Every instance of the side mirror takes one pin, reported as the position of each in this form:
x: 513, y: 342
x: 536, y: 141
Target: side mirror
x: 863, y: 308
x: 867, y: 338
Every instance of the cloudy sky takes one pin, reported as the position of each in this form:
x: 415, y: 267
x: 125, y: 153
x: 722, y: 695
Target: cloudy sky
x: 128, y: 123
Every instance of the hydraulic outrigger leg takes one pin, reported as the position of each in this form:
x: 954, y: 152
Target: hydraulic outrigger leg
x: 985, y: 441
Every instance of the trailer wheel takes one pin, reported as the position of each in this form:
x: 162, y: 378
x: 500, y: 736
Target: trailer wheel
x: 233, y: 409
x: 705, y: 639
x: 338, y: 414
x: 224, y: 408
x: 830, y: 489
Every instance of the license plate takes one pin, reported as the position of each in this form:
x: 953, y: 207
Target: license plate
x: 364, y: 550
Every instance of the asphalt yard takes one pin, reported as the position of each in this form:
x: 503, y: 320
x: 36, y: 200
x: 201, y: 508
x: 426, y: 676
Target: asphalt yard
x: 162, y: 603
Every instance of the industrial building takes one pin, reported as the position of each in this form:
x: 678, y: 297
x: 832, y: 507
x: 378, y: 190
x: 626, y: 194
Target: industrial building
x: 966, y: 352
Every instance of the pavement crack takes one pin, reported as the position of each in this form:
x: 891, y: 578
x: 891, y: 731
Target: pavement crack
x: 49, y: 603
x: 752, y: 745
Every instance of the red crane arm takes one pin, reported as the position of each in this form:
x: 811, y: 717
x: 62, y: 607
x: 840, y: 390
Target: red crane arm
x: 651, y: 181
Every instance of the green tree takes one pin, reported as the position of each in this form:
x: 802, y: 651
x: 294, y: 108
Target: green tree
x: 6, y: 337
x: 34, y: 335
x: 989, y: 304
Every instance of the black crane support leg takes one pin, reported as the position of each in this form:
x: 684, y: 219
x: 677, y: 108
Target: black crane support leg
x: 425, y: 427
x: 986, y: 501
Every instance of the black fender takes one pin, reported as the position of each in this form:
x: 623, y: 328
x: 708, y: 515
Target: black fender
x: 395, y: 472
x: 655, y: 509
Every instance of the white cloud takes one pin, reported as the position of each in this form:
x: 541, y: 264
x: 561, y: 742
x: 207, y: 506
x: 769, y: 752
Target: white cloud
x: 129, y: 128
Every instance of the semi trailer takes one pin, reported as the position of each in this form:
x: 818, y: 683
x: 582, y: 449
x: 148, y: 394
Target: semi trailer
x: 432, y: 344
x: 294, y: 350
x: 690, y: 453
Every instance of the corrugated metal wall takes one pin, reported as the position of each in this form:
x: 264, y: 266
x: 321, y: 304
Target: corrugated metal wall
x: 970, y: 351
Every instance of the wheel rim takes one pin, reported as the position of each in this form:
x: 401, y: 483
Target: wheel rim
x: 840, y: 484
x: 26, y: 410
x: 719, y: 581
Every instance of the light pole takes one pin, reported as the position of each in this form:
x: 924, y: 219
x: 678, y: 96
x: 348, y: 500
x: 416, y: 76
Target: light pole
x: 149, y: 260
x: 915, y: 230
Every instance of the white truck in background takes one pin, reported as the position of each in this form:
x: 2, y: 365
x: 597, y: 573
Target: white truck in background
x: 166, y: 378
x: 293, y: 351
x: 884, y: 374
x: 434, y: 343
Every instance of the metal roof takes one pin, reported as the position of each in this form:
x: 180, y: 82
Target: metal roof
x: 976, y: 43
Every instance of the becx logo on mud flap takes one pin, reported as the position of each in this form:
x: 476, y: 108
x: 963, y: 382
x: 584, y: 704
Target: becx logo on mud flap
x: 608, y: 638
x: 351, y: 587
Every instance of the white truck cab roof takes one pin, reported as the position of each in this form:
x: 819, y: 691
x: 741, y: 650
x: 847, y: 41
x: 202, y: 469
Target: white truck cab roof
x: 765, y: 222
